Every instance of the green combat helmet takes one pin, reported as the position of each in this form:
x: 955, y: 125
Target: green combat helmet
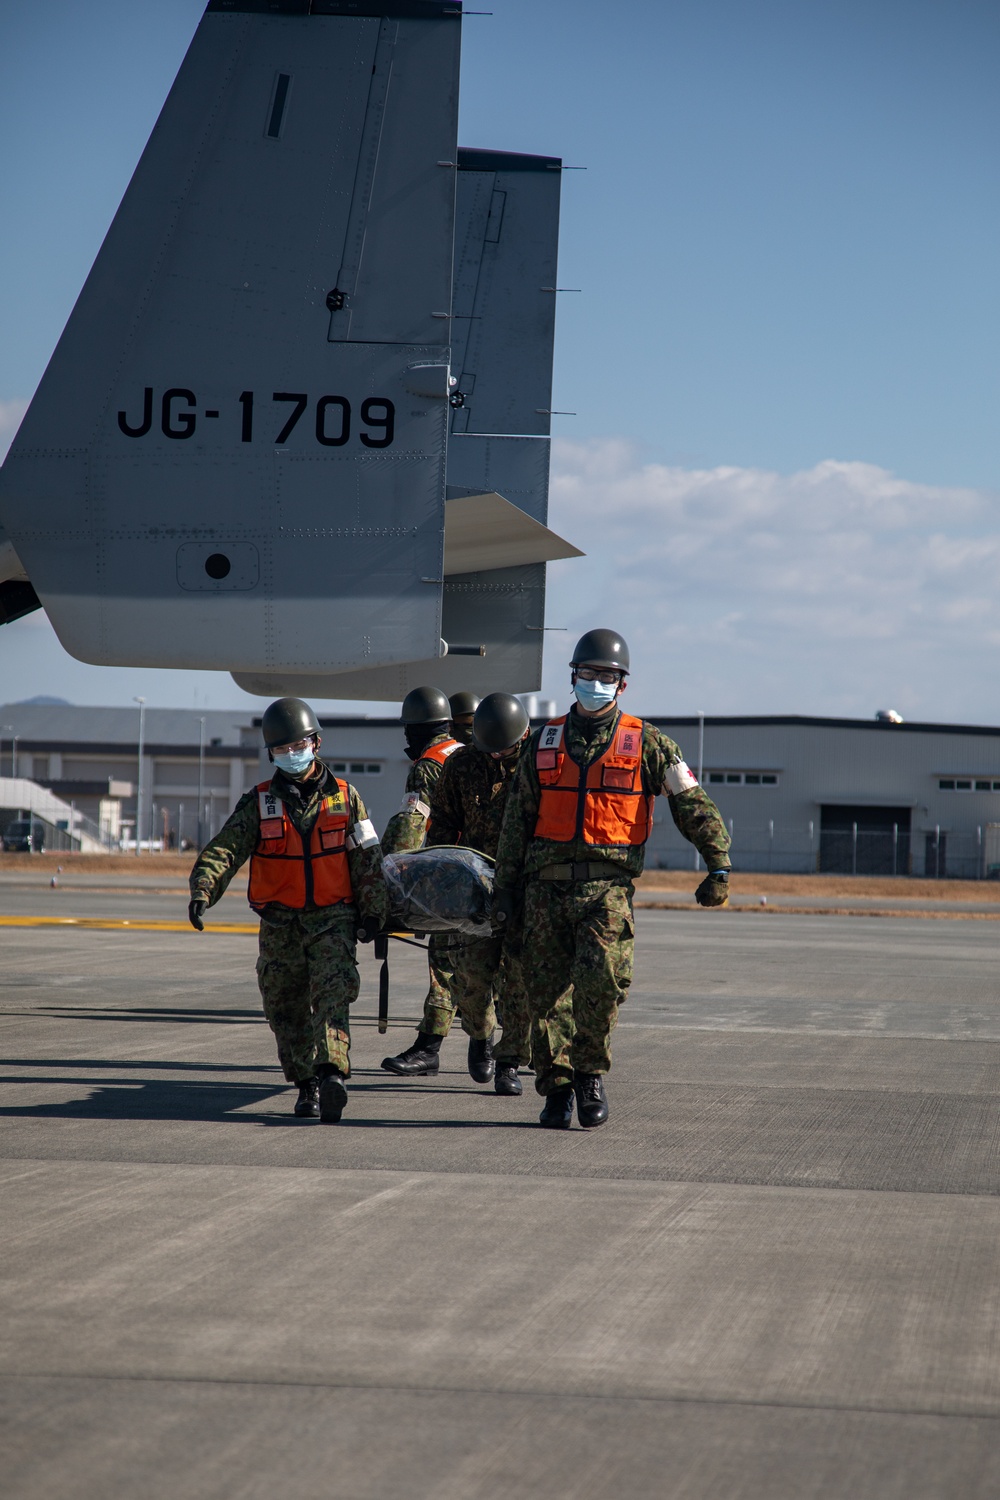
x: 463, y: 706
x: 499, y: 724
x: 425, y: 705
x: 286, y: 721
x: 601, y: 648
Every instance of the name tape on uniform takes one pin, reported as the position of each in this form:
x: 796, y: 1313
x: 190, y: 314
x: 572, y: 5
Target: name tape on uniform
x: 550, y: 737
x: 272, y: 815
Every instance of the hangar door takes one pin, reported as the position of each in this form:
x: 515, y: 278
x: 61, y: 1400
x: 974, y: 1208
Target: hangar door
x: 864, y: 840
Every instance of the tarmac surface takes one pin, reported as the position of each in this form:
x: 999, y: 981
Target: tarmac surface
x: 774, y: 1273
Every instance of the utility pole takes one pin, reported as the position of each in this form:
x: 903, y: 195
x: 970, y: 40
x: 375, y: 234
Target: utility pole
x: 138, y: 786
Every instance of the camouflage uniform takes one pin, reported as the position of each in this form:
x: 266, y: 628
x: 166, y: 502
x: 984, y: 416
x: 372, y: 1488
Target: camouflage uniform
x: 579, y: 934
x: 306, y: 969
x: 406, y: 830
x: 467, y: 806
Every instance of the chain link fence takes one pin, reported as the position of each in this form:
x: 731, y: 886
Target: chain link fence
x: 807, y: 849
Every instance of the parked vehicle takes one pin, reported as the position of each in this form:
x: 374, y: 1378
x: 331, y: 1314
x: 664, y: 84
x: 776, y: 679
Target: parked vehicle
x: 23, y: 837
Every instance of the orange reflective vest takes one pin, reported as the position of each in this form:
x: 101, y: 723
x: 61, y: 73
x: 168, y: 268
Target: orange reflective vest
x: 603, y: 805
x: 441, y: 752
x: 285, y: 869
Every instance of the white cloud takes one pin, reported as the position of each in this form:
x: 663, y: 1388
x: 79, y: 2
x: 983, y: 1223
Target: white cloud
x: 11, y: 413
x: 837, y: 590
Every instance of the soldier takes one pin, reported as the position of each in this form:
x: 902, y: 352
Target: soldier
x: 463, y: 707
x: 315, y: 871
x: 425, y: 716
x: 467, y: 808
x: 577, y: 818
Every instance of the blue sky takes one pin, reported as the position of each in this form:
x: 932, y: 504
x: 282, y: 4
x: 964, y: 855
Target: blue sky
x: 786, y: 237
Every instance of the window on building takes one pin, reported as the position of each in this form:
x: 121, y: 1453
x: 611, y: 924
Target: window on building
x: 966, y: 784
x: 741, y: 778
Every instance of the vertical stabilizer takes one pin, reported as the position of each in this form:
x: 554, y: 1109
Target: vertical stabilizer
x: 503, y: 327
x: 236, y: 457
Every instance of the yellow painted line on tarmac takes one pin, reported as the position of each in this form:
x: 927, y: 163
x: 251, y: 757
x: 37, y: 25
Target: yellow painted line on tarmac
x: 122, y: 924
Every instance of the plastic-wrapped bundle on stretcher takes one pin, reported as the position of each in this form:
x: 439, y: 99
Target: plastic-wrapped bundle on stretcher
x: 445, y: 889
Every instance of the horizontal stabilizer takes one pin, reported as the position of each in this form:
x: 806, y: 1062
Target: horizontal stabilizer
x: 486, y: 531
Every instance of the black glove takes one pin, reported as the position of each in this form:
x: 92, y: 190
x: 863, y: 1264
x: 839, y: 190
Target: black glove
x: 196, y: 912
x: 505, y: 908
x: 367, y: 930
x: 714, y: 889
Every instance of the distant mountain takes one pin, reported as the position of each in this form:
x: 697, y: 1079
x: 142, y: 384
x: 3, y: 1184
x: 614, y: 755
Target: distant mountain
x: 42, y: 698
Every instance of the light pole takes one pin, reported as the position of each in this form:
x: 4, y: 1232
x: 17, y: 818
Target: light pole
x: 13, y: 755
x: 7, y: 729
x: 201, y: 777
x: 138, y: 786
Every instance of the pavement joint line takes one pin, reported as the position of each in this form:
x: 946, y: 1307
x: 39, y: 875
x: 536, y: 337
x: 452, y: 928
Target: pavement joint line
x: 566, y: 1175
x: 527, y: 1393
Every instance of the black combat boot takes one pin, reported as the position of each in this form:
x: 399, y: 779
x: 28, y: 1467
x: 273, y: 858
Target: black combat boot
x: 332, y: 1093
x: 307, y: 1104
x: 558, y: 1111
x: 591, y: 1102
x: 506, y: 1080
x: 421, y: 1058
x: 481, y: 1062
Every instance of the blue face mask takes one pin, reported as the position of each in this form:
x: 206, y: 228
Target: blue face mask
x: 595, y: 695
x: 296, y: 761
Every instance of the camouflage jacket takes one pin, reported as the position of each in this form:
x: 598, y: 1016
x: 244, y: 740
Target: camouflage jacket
x: 520, y: 854
x: 468, y: 801
x: 238, y: 838
x: 405, y: 830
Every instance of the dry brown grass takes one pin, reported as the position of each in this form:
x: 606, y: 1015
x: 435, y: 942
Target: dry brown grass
x: 98, y: 864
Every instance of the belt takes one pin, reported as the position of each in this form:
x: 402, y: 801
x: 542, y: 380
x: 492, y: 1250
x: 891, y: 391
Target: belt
x: 582, y: 869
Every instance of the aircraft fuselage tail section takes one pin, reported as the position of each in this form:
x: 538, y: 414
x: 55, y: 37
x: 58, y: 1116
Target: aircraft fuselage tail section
x: 236, y: 457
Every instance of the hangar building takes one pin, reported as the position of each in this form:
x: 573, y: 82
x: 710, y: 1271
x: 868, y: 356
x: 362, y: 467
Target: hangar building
x: 799, y: 794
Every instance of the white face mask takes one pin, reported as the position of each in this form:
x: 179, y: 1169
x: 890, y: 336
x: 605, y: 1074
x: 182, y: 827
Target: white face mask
x: 296, y: 761
x: 595, y: 695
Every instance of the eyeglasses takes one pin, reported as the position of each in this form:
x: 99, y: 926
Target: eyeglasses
x: 587, y: 674
x: 296, y: 745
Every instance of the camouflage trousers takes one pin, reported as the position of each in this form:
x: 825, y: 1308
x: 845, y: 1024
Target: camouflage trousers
x: 487, y: 973
x: 308, y: 977
x: 439, y: 1008
x: 577, y: 962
